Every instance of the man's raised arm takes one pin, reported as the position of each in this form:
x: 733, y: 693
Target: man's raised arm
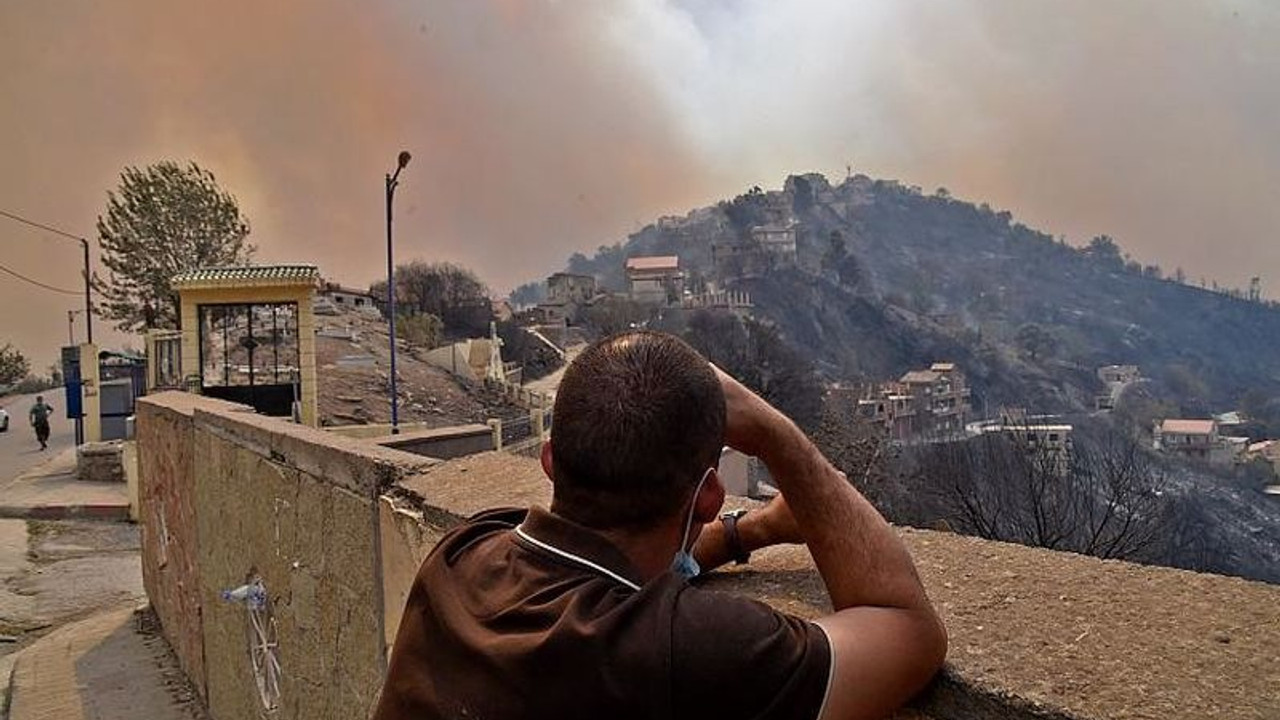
x: 886, y: 639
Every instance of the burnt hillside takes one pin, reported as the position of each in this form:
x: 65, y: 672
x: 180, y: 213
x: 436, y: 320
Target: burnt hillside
x: 887, y: 277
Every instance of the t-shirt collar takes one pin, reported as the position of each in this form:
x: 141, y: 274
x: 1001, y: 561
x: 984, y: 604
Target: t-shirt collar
x: 571, y: 542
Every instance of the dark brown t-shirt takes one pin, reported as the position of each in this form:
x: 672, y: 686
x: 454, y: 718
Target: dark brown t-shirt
x: 516, y: 616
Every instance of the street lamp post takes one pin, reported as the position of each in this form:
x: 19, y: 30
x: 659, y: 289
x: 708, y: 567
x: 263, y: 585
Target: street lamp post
x: 392, y: 181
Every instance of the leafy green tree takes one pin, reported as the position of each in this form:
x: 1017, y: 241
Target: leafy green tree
x: 162, y: 220
x: 13, y: 365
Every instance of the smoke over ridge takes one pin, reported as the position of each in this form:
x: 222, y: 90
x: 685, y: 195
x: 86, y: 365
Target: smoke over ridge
x: 541, y: 128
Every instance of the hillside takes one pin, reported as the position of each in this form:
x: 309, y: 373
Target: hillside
x: 352, y: 356
x: 886, y: 278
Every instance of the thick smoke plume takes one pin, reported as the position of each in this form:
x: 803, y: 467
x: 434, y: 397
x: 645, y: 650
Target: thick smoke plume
x: 541, y: 128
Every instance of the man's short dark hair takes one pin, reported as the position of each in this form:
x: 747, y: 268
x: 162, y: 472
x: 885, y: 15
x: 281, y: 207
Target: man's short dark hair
x: 639, y: 417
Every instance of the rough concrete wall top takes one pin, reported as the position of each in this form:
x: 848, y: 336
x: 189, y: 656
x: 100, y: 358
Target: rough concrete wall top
x: 185, y: 403
x: 1034, y: 633
x: 432, y: 434
x: 359, y: 467
x: 465, y: 486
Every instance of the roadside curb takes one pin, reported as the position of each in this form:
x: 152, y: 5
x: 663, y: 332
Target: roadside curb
x: 111, y: 512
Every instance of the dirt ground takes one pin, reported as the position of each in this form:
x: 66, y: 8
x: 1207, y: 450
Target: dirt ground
x: 357, y: 394
x: 55, y: 572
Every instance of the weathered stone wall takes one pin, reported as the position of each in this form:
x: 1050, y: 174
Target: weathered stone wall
x: 336, y: 529
x: 296, y: 508
x: 166, y: 499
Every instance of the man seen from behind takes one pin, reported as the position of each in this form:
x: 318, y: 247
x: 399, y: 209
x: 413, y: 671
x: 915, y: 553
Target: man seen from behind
x: 587, y: 610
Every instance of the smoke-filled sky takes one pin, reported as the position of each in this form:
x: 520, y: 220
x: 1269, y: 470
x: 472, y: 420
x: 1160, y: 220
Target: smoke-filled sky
x: 539, y: 128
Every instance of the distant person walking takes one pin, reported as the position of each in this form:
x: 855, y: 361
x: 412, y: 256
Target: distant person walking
x: 39, y: 415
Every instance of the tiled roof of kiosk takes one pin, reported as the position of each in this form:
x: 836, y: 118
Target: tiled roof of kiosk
x: 253, y: 274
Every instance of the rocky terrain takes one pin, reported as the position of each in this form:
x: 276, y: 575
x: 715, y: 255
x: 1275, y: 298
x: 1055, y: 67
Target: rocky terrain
x: 353, y: 361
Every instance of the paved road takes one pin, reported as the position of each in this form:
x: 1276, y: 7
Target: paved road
x: 19, y: 450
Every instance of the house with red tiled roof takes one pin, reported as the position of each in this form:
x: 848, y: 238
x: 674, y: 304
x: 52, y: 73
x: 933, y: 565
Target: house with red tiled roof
x: 655, y: 279
x: 1193, y: 439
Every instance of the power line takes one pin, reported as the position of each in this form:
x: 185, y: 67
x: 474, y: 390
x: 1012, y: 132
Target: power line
x: 37, y: 283
x: 42, y: 226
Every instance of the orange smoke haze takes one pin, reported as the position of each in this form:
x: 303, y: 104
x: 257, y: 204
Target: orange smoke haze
x: 542, y: 128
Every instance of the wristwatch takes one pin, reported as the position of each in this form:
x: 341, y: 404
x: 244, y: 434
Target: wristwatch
x: 733, y: 541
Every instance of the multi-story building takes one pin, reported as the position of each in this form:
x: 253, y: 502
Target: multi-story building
x: 941, y: 397
x: 567, y: 295
x: 655, y: 280
x: 565, y: 287
x: 923, y: 403
x: 1194, y: 439
x: 777, y: 241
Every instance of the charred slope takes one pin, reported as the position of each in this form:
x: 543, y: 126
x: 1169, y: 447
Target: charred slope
x: 888, y: 278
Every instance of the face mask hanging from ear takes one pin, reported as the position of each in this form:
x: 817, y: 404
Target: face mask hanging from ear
x: 683, y: 563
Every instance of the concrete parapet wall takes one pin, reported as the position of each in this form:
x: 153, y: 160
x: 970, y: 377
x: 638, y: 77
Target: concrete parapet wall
x: 166, y: 498
x: 442, y: 443
x: 1034, y: 633
x: 101, y: 461
x: 241, y: 497
x: 375, y: 430
x: 336, y: 529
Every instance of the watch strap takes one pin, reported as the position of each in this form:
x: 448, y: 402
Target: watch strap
x: 733, y: 541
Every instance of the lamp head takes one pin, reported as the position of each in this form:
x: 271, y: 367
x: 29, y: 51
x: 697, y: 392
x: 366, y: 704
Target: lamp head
x: 403, y: 159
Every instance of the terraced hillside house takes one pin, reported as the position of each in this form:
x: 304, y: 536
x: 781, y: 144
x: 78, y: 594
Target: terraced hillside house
x: 334, y: 297
x: 655, y: 280
x: 1192, y: 439
x: 921, y: 404
x: 567, y: 295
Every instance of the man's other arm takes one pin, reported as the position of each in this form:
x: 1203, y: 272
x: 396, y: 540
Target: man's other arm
x: 887, y: 641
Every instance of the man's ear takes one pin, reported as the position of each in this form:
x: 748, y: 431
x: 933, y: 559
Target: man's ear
x: 706, y: 507
x: 547, y: 465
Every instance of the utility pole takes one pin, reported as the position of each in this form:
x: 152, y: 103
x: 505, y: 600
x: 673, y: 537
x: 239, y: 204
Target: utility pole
x: 84, y: 245
x: 88, y: 304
